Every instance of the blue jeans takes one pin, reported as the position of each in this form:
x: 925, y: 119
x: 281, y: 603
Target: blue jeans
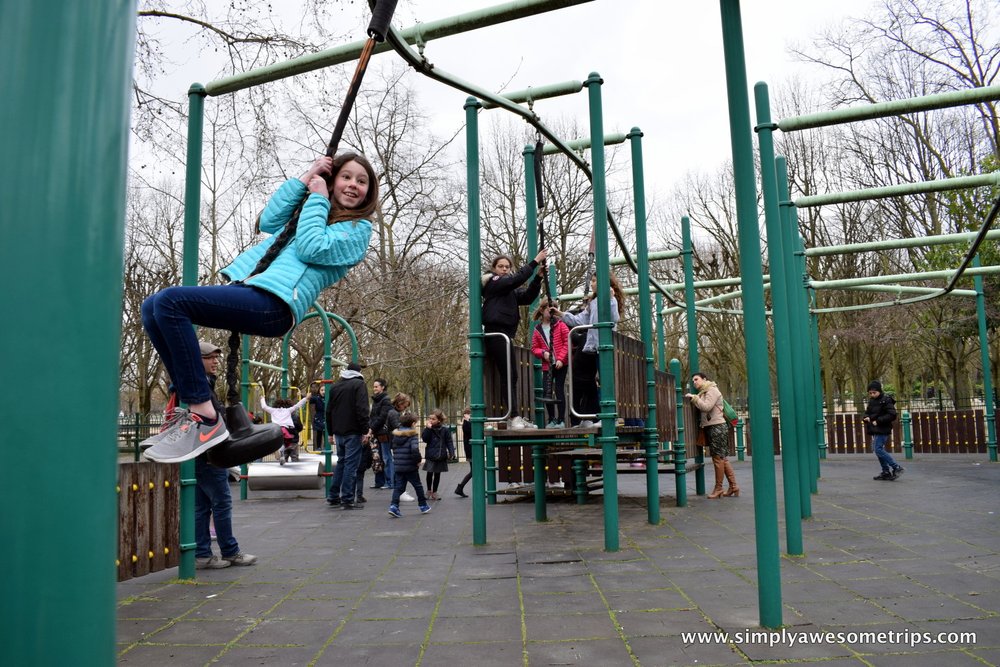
x: 213, y: 500
x: 878, y: 445
x: 413, y: 477
x: 385, y: 478
x: 168, y: 316
x: 345, y: 475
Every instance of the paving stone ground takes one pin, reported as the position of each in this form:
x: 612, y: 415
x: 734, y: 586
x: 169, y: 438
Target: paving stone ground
x: 911, y: 559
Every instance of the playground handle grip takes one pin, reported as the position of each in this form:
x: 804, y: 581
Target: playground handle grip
x: 381, y: 16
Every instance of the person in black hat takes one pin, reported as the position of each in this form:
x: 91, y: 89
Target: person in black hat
x: 346, y: 421
x: 879, y: 415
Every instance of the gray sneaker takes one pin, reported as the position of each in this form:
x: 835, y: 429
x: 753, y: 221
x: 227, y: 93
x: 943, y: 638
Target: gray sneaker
x: 186, y: 439
x: 240, y: 559
x: 212, y: 562
x: 178, y: 415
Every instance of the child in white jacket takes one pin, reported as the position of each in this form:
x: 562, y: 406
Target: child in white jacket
x: 281, y: 414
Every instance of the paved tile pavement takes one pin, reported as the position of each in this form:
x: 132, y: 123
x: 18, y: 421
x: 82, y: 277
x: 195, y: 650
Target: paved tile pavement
x: 904, y: 560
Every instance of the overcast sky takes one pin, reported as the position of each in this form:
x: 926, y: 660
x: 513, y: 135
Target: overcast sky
x: 661, y: 61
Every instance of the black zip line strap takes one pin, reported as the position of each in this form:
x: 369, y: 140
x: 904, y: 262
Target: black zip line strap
x: 377, y: 30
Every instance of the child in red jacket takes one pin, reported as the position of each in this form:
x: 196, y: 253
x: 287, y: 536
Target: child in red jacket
x: 550, y: 343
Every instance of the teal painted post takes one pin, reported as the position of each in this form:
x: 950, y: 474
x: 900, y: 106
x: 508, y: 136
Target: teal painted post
x: 907, y: 420
x: 531, y: 214
x: 609, y: 438
x: 810, y: 364
x: 661, y: 346
x: 680, y: 448
x: 800, y: 370
x: 478, y: 441
x: 759, y: 399
x: 650, y: 435
x: 740, y: 446
x: 984, y: 350
x: 245, y: 398
x: 65, y: 132
x: 538, y: 472
x: 783, y: 342
x: 687, y: 255
x: 818, y: 381
x: 192, y: 229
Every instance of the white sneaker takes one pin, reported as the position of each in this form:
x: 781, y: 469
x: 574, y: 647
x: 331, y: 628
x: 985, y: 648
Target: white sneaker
x: 406, y: 497
x: 586, y: 423
x: 518, y: 422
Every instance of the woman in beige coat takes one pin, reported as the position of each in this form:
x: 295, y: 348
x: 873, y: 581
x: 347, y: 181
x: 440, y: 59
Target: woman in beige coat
x: 708, y: 400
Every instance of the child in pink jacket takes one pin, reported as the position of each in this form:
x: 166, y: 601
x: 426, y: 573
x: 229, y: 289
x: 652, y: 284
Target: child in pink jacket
x: 550, y: 343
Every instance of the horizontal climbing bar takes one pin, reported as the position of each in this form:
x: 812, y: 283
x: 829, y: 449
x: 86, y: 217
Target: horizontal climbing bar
x: 418, y: 34
x: 534, y: 93
x: 893, y: 108
x: 921, y: 187
x: 584, y: 144
x: 915, y: 242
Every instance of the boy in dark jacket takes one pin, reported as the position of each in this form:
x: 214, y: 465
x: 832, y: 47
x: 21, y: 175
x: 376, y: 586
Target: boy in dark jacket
x: 879, y: 415
x: 406, y: 457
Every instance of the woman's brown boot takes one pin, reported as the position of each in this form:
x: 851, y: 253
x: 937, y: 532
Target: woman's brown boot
x: 720, y: 467
x: 734, y: 489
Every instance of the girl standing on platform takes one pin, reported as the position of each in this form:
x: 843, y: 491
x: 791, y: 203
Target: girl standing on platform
x: 502, y: 298
x: 550, y: 343
x: 586, y: 395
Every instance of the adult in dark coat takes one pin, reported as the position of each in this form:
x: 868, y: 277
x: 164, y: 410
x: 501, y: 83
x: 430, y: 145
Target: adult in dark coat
x: 879, y: 415
x: 378, y: 428
x: 347, y: 421
x: 503, y: 295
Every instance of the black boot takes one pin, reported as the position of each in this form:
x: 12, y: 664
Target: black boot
x: 459, y: 491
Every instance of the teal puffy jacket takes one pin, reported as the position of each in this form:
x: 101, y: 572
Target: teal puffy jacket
x: 318, y: 256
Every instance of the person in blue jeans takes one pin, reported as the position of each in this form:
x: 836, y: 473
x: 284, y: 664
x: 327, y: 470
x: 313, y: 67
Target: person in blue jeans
x: 378, y: 428
x: 406, y: 453
x: 347, y: 421
x: 213, y: 501
x: 320, y: 230
x: 879, y: 415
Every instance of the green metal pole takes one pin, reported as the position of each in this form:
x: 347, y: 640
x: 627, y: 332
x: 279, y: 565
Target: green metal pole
x: 64, y: 132
x: 740, y: 447
x: 984, y: 349
x: 687, y: 255
x: 783, y: 343
x: 245, y: 398
x: 815, y: 437
x: 661, y: 347
x: 608, y: 439
x: 650, y: 434
x: 192, y: 229
x: 765, y: 493
x: 798, y: 321
x: 531, y: 224
x: 680, y: 448
x: 478, y: 440
x: 907, y: 422
x: 538, y: 473
x: 818, y: 381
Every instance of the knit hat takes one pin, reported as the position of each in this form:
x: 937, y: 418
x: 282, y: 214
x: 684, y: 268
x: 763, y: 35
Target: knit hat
x: 875, y: 385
